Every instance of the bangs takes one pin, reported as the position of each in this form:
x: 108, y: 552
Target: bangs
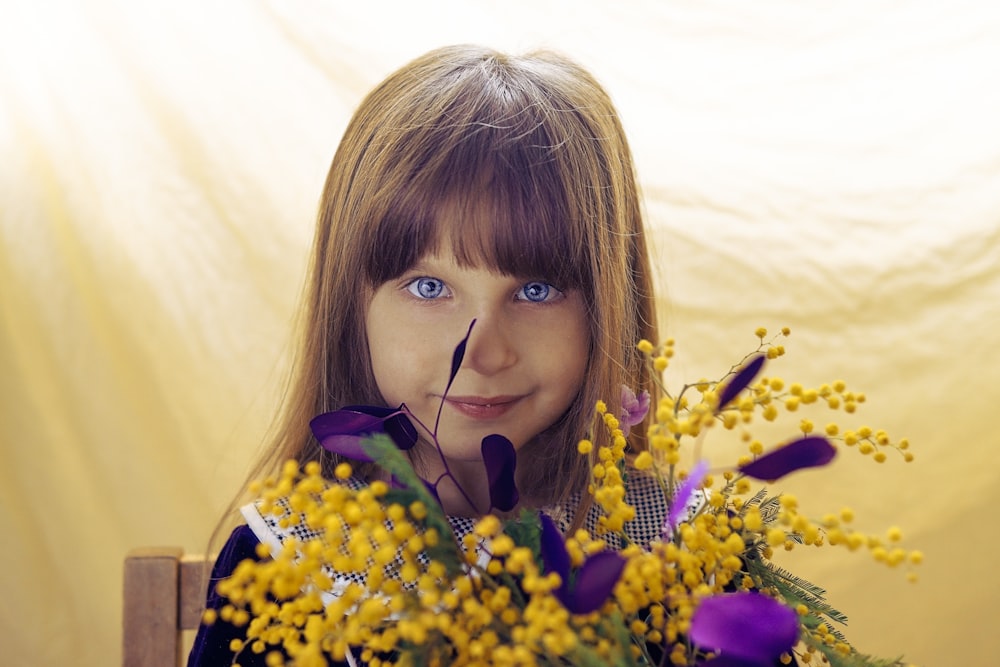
x: 498, y: 198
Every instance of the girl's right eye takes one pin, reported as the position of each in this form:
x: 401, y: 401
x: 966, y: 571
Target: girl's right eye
x: 427, y: 288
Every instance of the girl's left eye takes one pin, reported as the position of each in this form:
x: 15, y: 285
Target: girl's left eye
x: 537, y: 292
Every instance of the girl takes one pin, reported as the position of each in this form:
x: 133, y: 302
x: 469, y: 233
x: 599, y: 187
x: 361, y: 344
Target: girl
x: 470, y: 185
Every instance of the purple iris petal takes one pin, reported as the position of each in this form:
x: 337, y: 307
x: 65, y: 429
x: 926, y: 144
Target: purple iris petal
x: 500, y: 460
x: 342, y: 431
x: 595, y: 579
x: 678, y: 506
x: 458, y: 355
x: 555, y: 558
x: 729, y: 661
x: 741, y: 380
x: 806, y: 452
x: 634, y: 408
x: 594, y: 582
x: 746, y: 626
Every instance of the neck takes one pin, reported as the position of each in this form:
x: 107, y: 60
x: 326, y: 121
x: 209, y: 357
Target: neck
x: 462, y: 486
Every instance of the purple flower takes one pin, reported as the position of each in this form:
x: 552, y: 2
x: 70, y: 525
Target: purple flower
x: 500, y: 460
x: 807, y: 452
x: 740, y: 381
x: 633, y: 408
x: 744, y: 628
x: 595, y: 579
x: 342, y: 431
x: 678, y: 506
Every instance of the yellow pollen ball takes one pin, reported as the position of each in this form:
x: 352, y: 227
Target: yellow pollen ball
x: 644, y: 461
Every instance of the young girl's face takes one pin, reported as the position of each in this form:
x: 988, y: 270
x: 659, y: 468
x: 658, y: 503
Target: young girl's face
x: 524, y: 362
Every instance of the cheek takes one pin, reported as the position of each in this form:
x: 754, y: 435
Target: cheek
x: 382, y: 346
x: 397, y: 371
x: 568, y: 356
x: 575, y: 369
x: 379, y: 358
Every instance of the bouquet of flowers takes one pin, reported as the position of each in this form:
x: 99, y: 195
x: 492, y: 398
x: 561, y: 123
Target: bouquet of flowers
x: 379, y: 574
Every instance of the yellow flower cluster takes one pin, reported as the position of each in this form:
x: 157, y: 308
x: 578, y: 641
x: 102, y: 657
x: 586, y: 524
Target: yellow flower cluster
x: 387, y: 578
x: 607, y: 486
x: 731, y: 540
x: 456, y: 607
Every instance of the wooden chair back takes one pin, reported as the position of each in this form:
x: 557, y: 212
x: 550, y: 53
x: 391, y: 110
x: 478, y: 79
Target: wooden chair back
x: 163, y: 595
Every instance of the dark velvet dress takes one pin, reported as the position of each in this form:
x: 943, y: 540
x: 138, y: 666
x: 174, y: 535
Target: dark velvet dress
x: 211, y: 645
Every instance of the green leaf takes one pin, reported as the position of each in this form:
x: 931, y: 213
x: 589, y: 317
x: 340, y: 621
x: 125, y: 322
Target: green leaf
x: 383, y: 450
x: 526, y: 531
x: 796, y: 590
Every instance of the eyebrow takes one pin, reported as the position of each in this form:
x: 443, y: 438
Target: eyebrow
x: 420, y: 265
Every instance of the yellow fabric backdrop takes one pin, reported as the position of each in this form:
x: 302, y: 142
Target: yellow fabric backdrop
x: 834, y: 167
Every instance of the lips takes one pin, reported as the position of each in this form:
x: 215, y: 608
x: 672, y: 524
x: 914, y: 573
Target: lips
x: 483, y: 407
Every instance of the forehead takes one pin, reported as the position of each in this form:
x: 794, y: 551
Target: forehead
x: 510, y: 233
x: 491, y: 224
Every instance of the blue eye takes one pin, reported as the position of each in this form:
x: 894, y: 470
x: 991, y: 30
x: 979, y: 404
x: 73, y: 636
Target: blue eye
x: 427, y: 288
x: 537, y: 292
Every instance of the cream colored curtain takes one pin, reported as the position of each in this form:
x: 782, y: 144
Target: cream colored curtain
x: 833, y: 167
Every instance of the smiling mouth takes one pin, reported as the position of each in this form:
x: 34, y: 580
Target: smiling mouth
x: 480, y: 407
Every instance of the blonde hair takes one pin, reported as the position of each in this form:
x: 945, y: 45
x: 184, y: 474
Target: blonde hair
x: 521, y: 164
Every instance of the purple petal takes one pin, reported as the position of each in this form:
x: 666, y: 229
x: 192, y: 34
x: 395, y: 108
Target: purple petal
x: 678, y: 506
x: 746, y: 626
x: 634, y: 408
x: 401, y: 430
x: 594, y: 582
x: 730, y: 661
x: 501, y: 462
x: 458, y: 355
x: 805, y: 452
x: 342, y: 431
x: 555, y: 558
x: 348, y: 446
x: 741, y: 380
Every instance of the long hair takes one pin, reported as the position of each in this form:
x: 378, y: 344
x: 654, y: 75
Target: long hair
x: 521, y: 164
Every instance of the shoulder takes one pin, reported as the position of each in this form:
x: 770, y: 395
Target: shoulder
x: 212, y: 644
x: 275, y: 521
x: 647, y: 495
x: 241, y: 545
x: 278, y: 522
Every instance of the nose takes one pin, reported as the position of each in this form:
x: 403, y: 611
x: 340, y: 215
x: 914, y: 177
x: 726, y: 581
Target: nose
x: 492, y: 346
